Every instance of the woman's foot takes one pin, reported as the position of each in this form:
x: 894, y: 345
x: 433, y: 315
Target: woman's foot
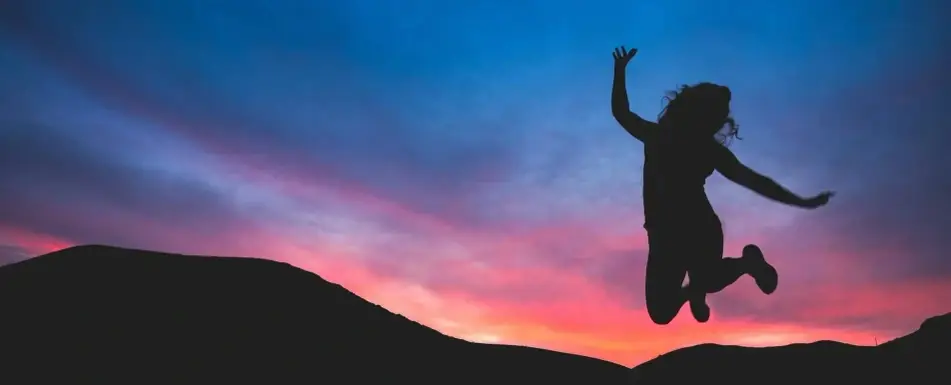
x: 700, y: 310
x: 698, y: 305
x: 762, y: 272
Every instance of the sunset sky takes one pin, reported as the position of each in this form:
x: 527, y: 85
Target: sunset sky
x: 459, y: 163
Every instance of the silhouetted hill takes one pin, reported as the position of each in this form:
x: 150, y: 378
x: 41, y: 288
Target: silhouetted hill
x: 910, y: 359
x: 98, y: 312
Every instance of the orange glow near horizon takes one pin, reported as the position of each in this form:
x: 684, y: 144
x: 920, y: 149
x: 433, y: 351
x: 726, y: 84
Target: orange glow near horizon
x: 590, y: 321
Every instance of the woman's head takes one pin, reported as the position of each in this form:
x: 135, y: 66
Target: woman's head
x: 702, y: 109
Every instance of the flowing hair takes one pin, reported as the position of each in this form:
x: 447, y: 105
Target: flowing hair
x: 683, y: 103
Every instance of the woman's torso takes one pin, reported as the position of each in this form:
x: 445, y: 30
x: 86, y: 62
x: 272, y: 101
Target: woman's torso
x: 675, y: 172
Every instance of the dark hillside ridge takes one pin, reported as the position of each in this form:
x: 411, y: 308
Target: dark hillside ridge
x: 102, y: 313
x: 114, y: 313
x: 919, y: 357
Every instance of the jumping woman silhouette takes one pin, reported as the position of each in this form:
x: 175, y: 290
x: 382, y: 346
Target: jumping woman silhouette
x: 684, y: 233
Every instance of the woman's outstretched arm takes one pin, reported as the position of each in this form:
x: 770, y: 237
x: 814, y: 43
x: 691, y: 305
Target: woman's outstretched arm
x: 620, y: 107
x: 731, y: 168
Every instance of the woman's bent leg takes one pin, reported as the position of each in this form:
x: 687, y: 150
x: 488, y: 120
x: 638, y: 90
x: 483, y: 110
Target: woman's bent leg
x: 710, y: 272
x: 665, y: 276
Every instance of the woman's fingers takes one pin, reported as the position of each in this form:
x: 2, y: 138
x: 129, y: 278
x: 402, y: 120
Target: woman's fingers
x: 622, y: 53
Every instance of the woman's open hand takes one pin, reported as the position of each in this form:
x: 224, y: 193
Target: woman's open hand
x: 622, y: 56
x: 818, y: 200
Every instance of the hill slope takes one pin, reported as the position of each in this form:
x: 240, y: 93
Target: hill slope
x: 102, y: 312
x: 914, y: 358
x: 98, y: 313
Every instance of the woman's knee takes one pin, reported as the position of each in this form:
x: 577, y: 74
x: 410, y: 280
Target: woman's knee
x: 662, y: 315
x: 662, y: 309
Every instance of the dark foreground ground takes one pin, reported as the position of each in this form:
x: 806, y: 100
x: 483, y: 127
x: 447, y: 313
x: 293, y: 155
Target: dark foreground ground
x: 103, y: 313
